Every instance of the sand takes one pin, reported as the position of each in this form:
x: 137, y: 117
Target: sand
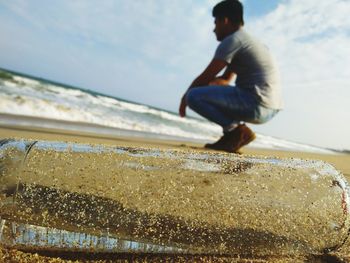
x: 340, y: 162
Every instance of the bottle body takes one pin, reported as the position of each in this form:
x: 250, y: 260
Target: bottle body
x: 199, y: 202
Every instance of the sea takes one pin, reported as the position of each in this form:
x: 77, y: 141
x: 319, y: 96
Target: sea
x: 31, y: 101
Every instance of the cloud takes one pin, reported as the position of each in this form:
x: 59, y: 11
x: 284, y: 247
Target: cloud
x: 150, y: 28
x: 149, y: 41
x: 308, y: 37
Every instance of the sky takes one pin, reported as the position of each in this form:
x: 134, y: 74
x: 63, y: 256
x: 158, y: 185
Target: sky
x: 149, y: 52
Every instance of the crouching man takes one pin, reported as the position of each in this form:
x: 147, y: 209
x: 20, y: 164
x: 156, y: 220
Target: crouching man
x: 255, y: 97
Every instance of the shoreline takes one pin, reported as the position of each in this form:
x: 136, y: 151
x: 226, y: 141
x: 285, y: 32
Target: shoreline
x: 341, y: 161
x: 33, y: 123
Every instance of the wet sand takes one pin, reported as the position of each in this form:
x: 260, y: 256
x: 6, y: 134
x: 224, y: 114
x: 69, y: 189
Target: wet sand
x: 340, y: 162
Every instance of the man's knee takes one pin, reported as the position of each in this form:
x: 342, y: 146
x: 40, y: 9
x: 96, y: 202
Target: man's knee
x: 192, y: 98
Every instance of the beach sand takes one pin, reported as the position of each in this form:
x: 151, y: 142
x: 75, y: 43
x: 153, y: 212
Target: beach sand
x: 339, y: 161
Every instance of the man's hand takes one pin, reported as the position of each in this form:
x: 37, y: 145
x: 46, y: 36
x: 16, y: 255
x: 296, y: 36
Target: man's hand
x: 183, y: 105
x: 219, y: 82
x: 209, y: 74
x: 223, y: 80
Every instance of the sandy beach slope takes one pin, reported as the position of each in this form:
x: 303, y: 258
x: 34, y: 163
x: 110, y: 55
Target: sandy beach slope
x: 340, y: 161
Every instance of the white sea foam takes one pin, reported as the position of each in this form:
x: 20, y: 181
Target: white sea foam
x: 25, y: 96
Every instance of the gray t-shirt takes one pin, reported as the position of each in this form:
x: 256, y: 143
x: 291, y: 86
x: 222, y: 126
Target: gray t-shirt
x: 255, y: 68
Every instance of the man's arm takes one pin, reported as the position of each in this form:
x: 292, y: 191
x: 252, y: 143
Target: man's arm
x: 224, y: 79
x: 207, y: 76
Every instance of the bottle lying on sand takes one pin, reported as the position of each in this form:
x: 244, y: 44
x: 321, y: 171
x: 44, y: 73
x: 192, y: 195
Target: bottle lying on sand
x: 212, y: 203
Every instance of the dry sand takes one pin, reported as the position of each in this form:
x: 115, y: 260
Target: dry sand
x: 340, y: 162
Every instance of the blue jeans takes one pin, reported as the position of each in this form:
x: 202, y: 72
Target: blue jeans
x: 228, y: 105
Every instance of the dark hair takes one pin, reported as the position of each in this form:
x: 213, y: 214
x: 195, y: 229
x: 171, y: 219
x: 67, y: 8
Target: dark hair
x: 232, y: 9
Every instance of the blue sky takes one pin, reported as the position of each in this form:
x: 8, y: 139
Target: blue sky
x: 149, y: 52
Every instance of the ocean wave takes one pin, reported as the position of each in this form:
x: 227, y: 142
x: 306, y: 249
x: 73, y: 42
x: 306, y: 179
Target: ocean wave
x: 85, y: 112
x: 31, y: 97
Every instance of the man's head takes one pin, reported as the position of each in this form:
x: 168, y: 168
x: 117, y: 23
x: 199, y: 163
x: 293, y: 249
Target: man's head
x: 228, y: 16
